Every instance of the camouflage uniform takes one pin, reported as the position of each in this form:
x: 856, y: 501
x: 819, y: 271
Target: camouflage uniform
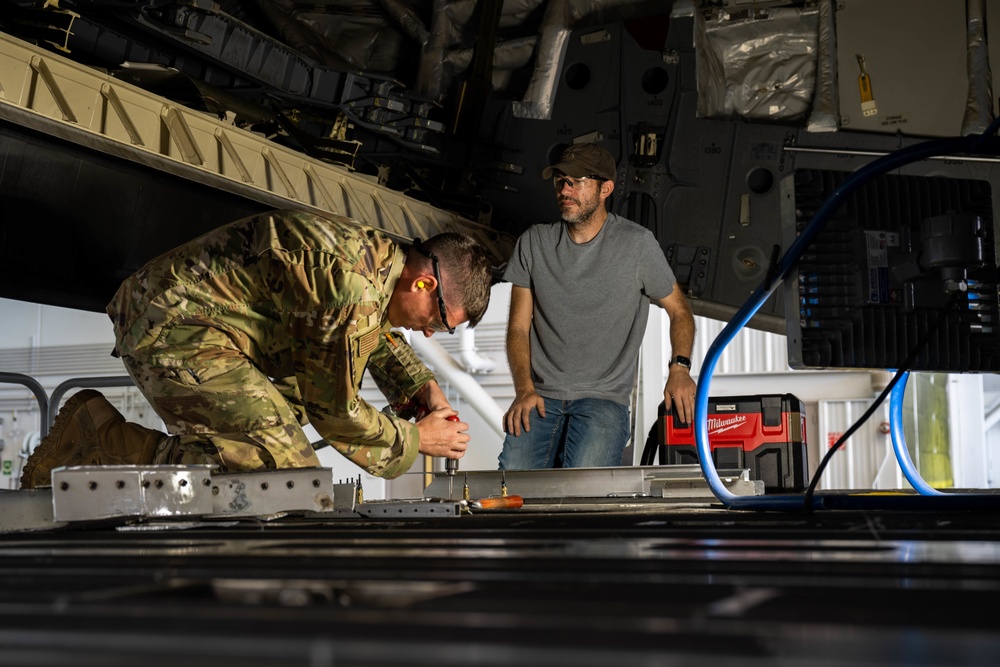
x: 241, y: 336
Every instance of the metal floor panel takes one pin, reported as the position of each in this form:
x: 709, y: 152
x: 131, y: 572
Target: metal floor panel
x: 636, y: 582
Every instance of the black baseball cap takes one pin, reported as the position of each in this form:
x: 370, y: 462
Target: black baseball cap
x: 581, y: 160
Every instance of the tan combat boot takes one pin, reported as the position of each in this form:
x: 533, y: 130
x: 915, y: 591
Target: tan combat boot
x: 89, y: 431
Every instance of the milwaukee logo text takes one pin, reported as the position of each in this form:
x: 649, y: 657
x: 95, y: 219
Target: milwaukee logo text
x: 716, y: 425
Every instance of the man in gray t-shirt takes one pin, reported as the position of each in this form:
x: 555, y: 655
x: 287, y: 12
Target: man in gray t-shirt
x: 579, y: 303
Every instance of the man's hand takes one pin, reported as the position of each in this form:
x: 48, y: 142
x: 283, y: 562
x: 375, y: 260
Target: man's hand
x: 680, y: 393
x: 440, y: 436
x: 518, y: 416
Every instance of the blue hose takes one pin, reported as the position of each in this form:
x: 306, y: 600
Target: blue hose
x: 899, y: 440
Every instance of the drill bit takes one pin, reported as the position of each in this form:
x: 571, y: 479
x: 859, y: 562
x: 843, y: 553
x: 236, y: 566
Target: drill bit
x: 451, y: 466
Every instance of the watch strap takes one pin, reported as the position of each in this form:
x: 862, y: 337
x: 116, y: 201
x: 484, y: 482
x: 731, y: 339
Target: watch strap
x: 681, y: 361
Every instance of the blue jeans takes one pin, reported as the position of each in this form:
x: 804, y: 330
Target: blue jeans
x: 585, y: 433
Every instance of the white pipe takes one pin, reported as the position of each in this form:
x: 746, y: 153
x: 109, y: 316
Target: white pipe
x: 472, y: 361
x: 992, y: 419
x: 445, y: 366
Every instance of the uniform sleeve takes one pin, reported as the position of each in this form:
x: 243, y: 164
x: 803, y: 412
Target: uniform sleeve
x: 397, y: 370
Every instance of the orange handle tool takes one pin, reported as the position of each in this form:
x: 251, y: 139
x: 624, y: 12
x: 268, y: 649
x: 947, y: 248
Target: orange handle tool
x: 508, y: 502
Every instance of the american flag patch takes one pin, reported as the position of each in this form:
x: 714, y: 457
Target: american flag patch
x: 367, y: 342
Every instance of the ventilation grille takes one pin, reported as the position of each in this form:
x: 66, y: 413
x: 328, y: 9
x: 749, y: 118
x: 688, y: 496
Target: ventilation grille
x: 874, y: 279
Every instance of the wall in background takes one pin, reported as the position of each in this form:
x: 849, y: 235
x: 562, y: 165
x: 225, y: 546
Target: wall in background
x: 56, y: 345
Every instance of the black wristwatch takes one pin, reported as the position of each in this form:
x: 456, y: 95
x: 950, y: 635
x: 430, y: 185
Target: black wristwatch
x: 681, y: 361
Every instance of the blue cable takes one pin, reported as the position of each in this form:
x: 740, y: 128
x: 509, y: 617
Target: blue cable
x: 878, y: 167
x: 899, y: 440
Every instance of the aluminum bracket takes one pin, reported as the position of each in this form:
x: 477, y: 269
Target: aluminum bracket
x: 260, y: 493
x: 84, y: 493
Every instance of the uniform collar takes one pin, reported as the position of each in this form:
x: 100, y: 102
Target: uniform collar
x: 395, y: 271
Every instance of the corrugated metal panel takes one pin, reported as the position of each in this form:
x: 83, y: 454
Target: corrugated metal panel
x: 71, y: 360
x: 750, y: 351
x: 866, y: 460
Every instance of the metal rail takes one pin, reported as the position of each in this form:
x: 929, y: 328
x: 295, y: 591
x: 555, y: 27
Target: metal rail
x: 36, y: 389
x: 48, y: 93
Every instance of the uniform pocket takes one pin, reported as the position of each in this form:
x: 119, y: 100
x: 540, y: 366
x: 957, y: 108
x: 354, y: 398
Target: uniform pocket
x: 210, y: 400
x: 218, y: 413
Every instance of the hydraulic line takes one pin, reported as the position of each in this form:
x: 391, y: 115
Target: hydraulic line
x: 899, y: 440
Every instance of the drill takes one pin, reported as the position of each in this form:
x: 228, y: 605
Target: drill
x: 451, y: 465
x: 411, y: 407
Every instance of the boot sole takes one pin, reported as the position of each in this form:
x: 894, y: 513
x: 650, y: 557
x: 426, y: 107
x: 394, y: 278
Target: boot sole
x: 46, y: 449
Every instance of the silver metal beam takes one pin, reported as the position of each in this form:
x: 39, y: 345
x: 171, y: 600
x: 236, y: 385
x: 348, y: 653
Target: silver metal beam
x: 623, y: 481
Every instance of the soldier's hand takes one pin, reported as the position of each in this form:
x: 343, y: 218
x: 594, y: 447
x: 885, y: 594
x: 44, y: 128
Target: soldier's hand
x: 441, y: 437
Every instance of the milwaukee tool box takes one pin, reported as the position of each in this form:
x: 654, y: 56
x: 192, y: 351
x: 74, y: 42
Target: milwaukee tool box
x: 766, y: 434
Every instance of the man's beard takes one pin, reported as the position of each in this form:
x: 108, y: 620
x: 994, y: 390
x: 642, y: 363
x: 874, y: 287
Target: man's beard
x: 584, y: 211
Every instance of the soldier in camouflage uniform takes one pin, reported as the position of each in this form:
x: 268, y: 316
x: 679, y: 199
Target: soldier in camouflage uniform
x: 242, y: 336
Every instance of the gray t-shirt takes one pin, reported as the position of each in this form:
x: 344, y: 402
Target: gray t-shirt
x: 591, y: 304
